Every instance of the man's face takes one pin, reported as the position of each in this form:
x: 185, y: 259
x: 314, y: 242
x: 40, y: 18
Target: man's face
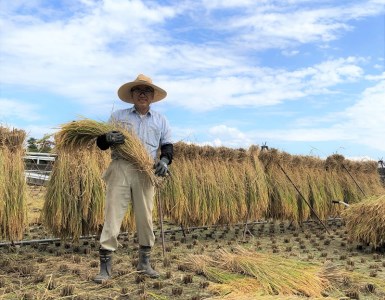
x: 142, y: 96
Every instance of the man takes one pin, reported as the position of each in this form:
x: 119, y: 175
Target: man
x: 124, y: 182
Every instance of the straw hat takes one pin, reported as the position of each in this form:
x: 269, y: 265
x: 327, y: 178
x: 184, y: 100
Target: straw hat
x: 125, y: 94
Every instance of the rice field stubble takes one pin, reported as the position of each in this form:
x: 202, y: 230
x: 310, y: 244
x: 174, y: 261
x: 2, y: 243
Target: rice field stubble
x: 63, y: 270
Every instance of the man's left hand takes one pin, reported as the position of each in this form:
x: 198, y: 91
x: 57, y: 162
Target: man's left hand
x: 161, y: 168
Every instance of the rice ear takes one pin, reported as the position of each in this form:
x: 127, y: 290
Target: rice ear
x: 13, y: 210
x: 83, y: 134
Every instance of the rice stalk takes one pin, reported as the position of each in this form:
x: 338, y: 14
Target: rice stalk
x: 365, y: 221
x: 83, y: 134
x: 13, y: 211
x: 287, y: 277
x: 211, y: 208
x: 174, y: 198
x: 74, y: 201
x: 225, y: 186
x: 283, y: 196
x: 256, y: 185
x: 244, y: 272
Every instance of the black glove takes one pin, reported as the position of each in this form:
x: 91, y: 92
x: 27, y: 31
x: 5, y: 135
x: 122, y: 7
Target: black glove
x: 114, y: 138
x: 161, y: 167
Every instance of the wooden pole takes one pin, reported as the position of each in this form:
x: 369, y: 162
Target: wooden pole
x: 160, y: 211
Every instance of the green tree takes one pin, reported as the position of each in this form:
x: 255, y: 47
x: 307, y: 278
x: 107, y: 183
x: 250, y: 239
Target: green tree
x: 31, y: 145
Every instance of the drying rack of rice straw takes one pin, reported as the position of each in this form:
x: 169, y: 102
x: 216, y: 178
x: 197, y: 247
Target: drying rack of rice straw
x: 271, y: 159
x: 72, y: 140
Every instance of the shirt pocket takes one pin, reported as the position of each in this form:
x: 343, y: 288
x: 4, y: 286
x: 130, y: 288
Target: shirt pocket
x: 128, y: 125
x: 153, y: 137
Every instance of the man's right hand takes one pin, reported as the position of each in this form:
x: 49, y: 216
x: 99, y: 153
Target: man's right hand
x: 114, y: 138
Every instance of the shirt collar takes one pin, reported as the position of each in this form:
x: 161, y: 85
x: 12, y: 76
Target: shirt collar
x: 133, y: 110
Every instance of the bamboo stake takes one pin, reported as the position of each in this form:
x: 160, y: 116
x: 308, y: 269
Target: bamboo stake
x: 161, y: 220
x: 353, y: 180
x: 303, y: 198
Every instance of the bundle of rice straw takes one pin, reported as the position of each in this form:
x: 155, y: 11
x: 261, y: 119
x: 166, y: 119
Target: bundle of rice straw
x: 365, y: 221
x: 74, y: 202
x: 13, y: 217
x: 214, y: 186
x: 248, y: 272
x: 83, y: 133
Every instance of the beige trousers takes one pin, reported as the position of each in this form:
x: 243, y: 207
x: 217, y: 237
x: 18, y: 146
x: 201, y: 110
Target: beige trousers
x: 125, y: 184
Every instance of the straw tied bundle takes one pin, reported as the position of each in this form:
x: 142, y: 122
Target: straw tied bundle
x: 83, y: 133
x: 319, y: 181
x: 74, y: 201
x: 12, y: 184
x: 365, y: 221
x: 218, y: 185
x: 214, y: 186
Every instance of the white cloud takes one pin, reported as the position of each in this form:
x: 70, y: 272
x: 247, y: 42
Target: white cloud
x: 38, y: 131
x: 85, y: 53
x: 256, y: 87
x: 88, y: 54
x: 290, y: 52
x: 362, y: 123
x: 87, y: 50
x: 366, y: 121
x: 11, y: 109
x: 229, y: 136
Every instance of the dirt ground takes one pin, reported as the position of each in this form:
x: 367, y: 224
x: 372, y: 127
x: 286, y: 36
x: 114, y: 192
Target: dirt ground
x: 62, y: 270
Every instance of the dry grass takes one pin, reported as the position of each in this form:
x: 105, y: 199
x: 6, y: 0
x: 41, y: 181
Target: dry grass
x: 74, y: 201
x: 82, y: 134
x: 45, y: 271
x: 272, y: 274
x: 12, y: 184
x: 365, y: 221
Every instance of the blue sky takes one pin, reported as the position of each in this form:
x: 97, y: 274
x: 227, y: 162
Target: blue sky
x: 305, y: 77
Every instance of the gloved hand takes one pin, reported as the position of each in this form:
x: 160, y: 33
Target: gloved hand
x: 114, y: 138
x: 161, y: 167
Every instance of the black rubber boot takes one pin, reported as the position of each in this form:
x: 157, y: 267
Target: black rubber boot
x: 144, y: 265
x: 105, y: 266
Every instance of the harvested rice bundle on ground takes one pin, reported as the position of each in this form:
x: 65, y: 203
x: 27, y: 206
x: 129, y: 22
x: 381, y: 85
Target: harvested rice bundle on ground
x: 83, y: 133
x: 365, y: 221
x: 13, y: 217
x: 247, y: 272
x: 74, y: 201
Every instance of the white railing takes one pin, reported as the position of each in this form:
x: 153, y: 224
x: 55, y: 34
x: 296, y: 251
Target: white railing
x: 38, y: 167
